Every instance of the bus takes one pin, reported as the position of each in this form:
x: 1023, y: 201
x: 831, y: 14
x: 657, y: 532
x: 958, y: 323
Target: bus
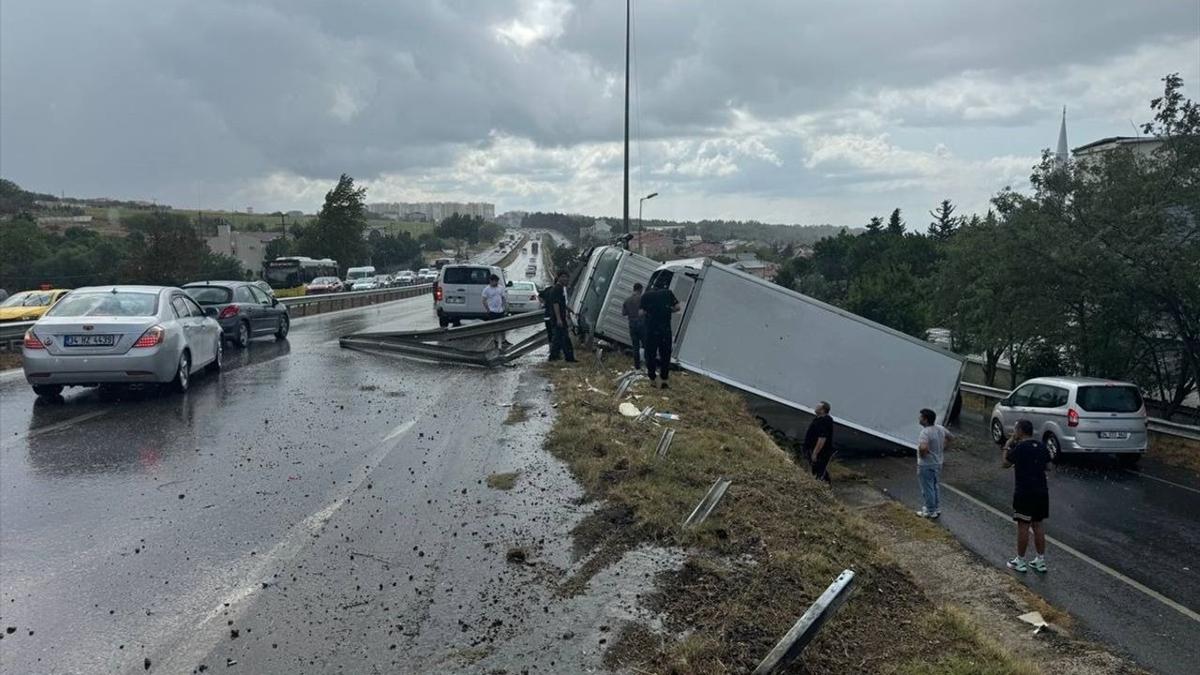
x: 293, y: 271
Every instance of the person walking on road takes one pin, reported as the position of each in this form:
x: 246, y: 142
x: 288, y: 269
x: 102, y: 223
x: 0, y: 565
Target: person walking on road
x: 931, y: 447
x: 560, y: 337
x: 632, y: 311
x: 818, y: 442
x: 495, y: 303
x: 1029, y: 459
x: 657, y: 305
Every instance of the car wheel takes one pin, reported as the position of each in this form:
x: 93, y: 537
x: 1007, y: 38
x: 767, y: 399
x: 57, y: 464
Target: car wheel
x: 1052, y: 445
x: 998, y: 432
x: 243, y: 335
x: 1129, y: 460
x: 47, y: 390
x: 183, y: 373
x: 284, y: 325
x: 219, y: 358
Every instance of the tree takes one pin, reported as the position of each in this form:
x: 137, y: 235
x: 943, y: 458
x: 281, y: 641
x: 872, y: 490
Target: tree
x: 490, y: 232
x: 875, y: 226
x: 338, y: 231
x: 944, y: 221
x: 895, y: 224
x: 461, y: 227
x: 390, y: 252
x: 164, y: 249
x: 277, y: 248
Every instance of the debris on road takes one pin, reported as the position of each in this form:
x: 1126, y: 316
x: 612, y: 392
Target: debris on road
x: 628, y: 409
x: 706, y: 505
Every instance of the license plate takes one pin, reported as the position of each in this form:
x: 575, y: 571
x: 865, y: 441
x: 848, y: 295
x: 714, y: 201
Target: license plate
x: 455, y: 301
x: 1115, y: 435
x: 89, y: 340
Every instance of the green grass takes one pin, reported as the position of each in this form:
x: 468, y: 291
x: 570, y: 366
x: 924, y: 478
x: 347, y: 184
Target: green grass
x: 503, y: 481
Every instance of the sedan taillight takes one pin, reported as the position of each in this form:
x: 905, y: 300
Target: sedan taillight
x: 32, y: 341
x: 151, y: 338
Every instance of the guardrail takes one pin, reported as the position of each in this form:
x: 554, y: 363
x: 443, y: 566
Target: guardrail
x: 1154, y: 424
x: 11, y: 333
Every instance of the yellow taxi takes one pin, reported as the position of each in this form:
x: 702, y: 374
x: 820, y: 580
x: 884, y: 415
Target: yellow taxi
x: 29, y: 305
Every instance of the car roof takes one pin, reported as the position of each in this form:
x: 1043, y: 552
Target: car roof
x: 1067, y: 381
x: 226, y: 284
x: 131, y: 287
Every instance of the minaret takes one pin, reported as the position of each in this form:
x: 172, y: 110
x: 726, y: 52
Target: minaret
x: 1061, y: 155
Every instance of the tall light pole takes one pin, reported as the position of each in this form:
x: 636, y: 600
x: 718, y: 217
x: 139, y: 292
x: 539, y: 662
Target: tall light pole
x: 625, y: 198
x: 641, y: 236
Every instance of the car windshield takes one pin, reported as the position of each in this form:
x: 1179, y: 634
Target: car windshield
x: 466, y: 275
x: 1109, y: 399
x: 119, y: 303
x: 322, y: 281
x: 28, y: 299
x: 208, y: 295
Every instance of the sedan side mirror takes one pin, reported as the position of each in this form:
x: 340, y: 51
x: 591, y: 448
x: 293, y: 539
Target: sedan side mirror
x: 211, y: 311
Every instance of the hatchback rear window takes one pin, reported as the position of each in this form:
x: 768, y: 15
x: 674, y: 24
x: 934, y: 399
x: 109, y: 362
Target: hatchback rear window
x: 208, y: 295
x: 121, y: 303
x: 466, y: 275
x: 1109, y: 399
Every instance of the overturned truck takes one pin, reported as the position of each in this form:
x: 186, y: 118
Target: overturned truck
x: 786, y: 351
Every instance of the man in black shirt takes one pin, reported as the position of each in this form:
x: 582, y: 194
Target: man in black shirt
x: 556, y: 310
x: 1031, y: 496
x: 657, y: 306
x: 632, y: 310
x: 818, y: 442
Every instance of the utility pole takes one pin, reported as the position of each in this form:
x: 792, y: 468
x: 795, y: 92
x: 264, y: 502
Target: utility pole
x: 625, y: 197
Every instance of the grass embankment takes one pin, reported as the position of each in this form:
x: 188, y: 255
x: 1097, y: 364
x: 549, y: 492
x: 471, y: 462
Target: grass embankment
x: 769, y: 549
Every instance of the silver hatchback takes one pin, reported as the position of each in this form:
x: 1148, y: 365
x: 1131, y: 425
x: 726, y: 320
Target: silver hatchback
x: 1077, y: 415
x: 121, y: 334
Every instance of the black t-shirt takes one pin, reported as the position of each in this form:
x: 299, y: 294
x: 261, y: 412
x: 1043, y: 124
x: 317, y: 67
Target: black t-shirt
x: 1029, y: 459
x: 555, y: 295
x: 821, y: 427
x: 657, y: 304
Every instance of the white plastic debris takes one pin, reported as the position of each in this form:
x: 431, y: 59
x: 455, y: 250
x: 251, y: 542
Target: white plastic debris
x: 1034, y: 619
x: 628, y: 409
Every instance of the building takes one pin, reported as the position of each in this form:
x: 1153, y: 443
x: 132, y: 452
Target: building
x: 1143, y: 146
x: 511, y: 218
x: 600, y: 231
x: 652, y: 243
x: 703, y: 249
x: 751, y: 264
x: 432, y: 212
x: 249, y: 248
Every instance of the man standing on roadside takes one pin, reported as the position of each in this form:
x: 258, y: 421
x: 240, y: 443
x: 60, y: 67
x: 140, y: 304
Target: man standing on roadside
x: 1029, y: 460
x: 560, y: 338
x: 495, y: 303
x: 931, y: 447
x: 632, y: 311
x: 818, y: 442
x: 657, y: 306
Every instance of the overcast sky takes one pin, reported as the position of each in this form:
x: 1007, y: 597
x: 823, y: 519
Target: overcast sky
x: 790, y: 111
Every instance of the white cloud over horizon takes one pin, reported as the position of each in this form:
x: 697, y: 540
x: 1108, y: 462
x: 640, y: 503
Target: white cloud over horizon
x: 816, y: 112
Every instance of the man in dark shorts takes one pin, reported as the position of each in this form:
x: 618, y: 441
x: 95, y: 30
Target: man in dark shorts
x: 1029, y: 460
x: 657, y: 306
x: 818, y: 442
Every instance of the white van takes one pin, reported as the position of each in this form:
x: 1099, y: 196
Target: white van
x: 359, y: 274
x: 458, y: 292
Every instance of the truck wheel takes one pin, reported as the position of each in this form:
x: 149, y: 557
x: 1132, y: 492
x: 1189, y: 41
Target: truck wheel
x: 47, y: 390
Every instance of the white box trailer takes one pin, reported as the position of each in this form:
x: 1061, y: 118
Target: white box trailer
x: 790, y: 351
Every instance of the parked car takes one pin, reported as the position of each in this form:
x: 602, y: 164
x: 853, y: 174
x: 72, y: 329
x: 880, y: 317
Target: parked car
x: 324, y: 285
x: 29, y: 305
x: 458, y: 292
x: 523, y: 297
x: 406, y: 278
x: 243, y: 310
x: 1077, y: 415
x: 121, y: 334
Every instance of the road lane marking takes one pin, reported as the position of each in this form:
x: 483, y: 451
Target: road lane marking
x: 58, y: 426
x: 1085, y: 558
x: 206, y: 634
x: 1163, y: 480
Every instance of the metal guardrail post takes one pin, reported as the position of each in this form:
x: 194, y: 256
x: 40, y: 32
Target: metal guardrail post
x: 789, y: 647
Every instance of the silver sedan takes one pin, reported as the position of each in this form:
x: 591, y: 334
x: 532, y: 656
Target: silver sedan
x: 121, y: 334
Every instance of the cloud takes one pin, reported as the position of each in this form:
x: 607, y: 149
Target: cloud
x: 801, y: 112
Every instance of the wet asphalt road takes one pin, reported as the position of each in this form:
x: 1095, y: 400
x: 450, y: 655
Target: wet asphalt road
x: 312, y: 509
x: 1142, y: 526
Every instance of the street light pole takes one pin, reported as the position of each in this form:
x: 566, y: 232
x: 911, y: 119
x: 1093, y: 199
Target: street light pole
x: 641, y: 235
x: 625, y: 198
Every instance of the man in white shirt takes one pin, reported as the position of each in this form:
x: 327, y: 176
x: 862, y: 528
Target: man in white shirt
x: 495, y: 303
x: 931, y: 447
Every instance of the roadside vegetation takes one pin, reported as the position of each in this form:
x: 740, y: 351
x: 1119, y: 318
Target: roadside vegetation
x: 767, y: 551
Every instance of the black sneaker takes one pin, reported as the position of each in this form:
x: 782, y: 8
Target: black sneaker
x: 665, y: 385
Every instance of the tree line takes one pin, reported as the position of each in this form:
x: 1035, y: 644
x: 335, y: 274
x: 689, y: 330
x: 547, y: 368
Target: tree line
x: 1095, y: 273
